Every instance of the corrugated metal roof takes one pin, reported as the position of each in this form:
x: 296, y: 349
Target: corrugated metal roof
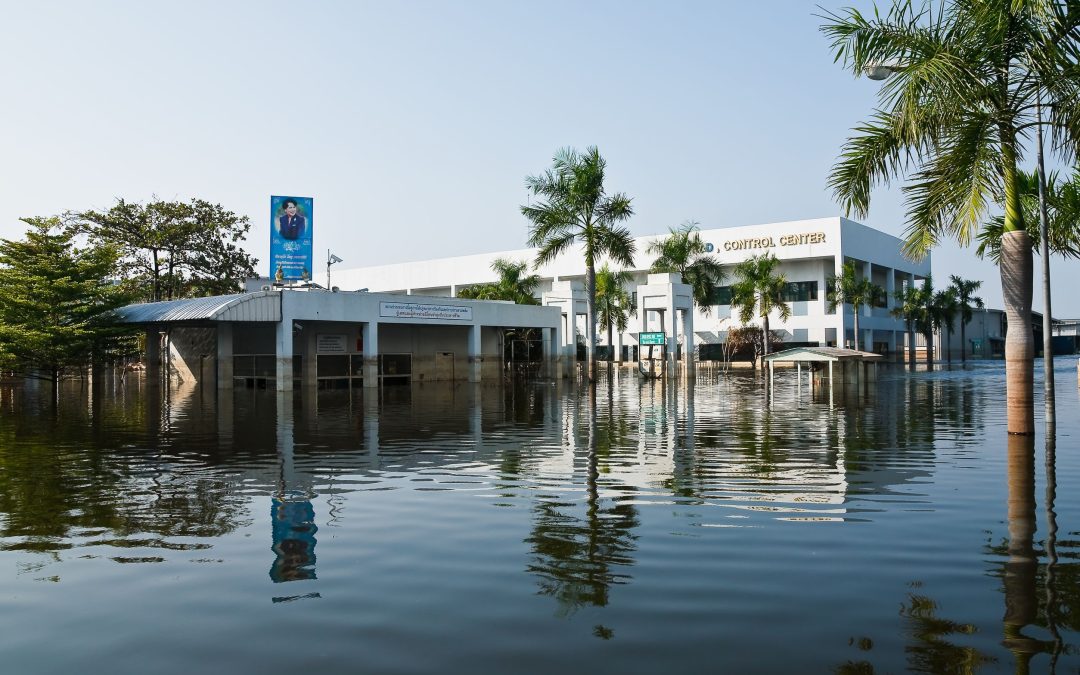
x: 821, y: 354
x: 266, y: 306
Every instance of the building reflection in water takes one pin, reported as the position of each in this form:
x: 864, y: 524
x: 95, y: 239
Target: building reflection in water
x: 291, y: 511
x: 294, y: 537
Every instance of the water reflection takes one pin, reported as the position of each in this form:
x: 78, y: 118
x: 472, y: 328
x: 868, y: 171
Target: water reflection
x: 581, y: 550
x: 586, y: 499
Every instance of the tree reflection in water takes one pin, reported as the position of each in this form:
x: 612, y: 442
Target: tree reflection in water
x: 578, y: 556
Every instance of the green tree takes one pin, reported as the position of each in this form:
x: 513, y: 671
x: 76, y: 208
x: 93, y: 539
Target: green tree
x: 514, y: 284
x: 964, y: 290
x: 1062, y: 210
x: 909, y: 307
x: 945, y: 308
x: 849, y: 288
x: 614, y: 304
x: 953, y: 117
x: 55, y: 302
x: 683, y: 252
x: 576, y: 209
x: 760, y: 291
x: 174, y: 249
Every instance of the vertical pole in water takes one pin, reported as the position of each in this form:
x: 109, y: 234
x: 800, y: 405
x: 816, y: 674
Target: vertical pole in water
x: 830, y: 384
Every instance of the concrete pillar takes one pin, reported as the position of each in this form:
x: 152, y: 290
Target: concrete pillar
x: 371, y: 354
x: 283, y: 351
x: 841, y: 310
x: 309, y: 364
x: 672, y: 336
x: 476, y: 358
x: 911, y: 333
x: 617, y: 347
x: 551, y: 358
x: 224, y: 355
x: 453, y: 290
x: 867, y: 337
x: 153, y: 353
x: 690, y: 347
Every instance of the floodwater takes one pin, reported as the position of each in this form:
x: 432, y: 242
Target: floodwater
x: 670, y: 527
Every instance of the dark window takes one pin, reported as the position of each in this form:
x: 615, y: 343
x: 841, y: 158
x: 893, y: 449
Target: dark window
x: 721, y: 295
x: 801, y: 291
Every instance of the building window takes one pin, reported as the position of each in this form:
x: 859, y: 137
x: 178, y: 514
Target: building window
x: 721, y: 295
x: 801, y: 291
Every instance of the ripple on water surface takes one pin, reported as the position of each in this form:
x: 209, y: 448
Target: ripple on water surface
x: 674, y: 526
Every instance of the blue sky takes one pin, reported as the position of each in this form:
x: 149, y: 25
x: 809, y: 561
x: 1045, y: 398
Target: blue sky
x: 413, y: 124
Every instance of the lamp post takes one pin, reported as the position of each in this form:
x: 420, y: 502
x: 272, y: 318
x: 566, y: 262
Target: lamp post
x: 1044, y: 252
x: 331, y: 259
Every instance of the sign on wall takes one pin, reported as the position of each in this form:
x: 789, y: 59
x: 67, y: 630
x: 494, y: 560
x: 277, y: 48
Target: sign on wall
x: 413, y: 310
x: 330, y: 343
x: 291, y: 220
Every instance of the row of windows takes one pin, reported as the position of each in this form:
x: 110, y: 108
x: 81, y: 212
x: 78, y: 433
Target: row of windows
x: 796, y: 291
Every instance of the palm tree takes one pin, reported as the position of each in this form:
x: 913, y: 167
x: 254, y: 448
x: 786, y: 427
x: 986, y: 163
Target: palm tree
x: 909, y: 304
x: 928, y: 319
x: 964, y: 290
x: 577, y: 209
x: 849, y: 289
x: 760, y: 290
x: 513, y: 284
x: 683, y: 252
x: 613, y: 302
x: 945, y: 309
x: 953, y: 118
x: 1063, y: 215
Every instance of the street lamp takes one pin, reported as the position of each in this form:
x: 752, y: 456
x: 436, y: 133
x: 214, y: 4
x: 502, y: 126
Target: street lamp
x: 331, y: 259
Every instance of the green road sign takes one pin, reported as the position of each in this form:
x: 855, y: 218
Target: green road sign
x: 651, y: 339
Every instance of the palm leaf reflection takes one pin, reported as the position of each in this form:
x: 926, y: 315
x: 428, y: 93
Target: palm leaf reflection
x: 580, y: 550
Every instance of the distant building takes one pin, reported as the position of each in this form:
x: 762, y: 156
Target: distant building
x: 810, y: 251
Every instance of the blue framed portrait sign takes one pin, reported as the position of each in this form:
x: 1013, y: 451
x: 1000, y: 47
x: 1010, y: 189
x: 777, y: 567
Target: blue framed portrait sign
x: 290, y: 238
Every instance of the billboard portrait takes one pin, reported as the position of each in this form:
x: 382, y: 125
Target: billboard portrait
x: 290, y: 238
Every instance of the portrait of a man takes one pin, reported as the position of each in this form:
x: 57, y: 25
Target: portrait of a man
x: 291, y: 224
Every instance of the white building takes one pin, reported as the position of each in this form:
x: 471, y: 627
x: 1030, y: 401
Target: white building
x: 810, y: 251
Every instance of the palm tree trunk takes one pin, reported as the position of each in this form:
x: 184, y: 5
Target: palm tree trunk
x: 855, y: 314
x: 911, y: 345
x: 963, y: 341
x: 590, y: 343
x: 929, y: 336
x: 765, y: 333
x: 1016, y: 281
x: 948, y: 345
x: 611, y: 343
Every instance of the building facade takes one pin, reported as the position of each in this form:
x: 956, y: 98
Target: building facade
x: 811, y: 252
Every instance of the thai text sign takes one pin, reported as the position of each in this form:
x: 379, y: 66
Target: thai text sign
x: 651, y: 339
x: 413, y: 310
x: 330, y: 343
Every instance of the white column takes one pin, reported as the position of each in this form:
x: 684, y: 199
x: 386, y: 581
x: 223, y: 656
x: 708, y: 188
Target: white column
x: 690, y: 348
x: 283, y: 351
x: 841, y: 310
x: 866, y: 340
x: 617, y: 347
x: 453, y: 290
x: 551, y: 357
x: 224, y: 355
x: 672, y: 318
x: 476, y: 358
x: 371, y: 354
x: 911, y: 334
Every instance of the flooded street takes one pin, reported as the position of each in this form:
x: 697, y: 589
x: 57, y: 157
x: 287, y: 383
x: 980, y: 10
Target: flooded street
x: 656, y: 526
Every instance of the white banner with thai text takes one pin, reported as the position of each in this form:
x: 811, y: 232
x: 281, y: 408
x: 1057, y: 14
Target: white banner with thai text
x: 413, y: 310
